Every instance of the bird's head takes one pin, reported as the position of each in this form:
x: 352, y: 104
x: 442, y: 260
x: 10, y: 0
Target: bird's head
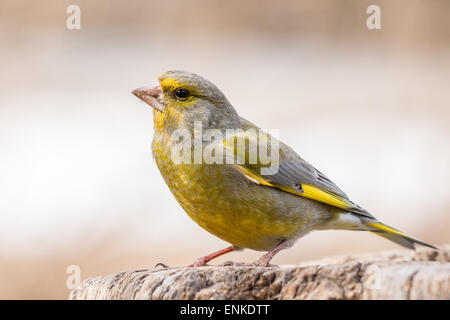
x: 180, y: 98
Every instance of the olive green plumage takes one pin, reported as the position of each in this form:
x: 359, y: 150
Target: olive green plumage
x: 236, y: 202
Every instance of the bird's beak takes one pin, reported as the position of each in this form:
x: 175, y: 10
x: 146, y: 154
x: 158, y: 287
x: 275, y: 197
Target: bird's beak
x: 152, y: 95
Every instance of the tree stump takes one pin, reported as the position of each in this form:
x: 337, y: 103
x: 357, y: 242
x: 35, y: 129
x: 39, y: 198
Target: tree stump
x: 400, y: 274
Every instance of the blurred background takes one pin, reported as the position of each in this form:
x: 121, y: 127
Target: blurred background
x: 78, y: 185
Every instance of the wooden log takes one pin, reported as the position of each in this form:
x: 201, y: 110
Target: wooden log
x: 401, y: 274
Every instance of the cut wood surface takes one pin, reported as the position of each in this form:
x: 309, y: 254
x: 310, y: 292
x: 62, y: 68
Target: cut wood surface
x: 400, y: 274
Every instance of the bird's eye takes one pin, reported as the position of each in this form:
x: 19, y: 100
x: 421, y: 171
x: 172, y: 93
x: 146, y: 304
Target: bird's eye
x: 181, y: 94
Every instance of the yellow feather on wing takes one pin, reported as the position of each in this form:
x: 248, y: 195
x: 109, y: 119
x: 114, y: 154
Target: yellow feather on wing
x: 294, y: 174
x: 309, y: 191
x: 315, y: 193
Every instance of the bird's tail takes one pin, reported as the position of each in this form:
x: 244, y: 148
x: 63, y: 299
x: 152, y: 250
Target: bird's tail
x: 395, y: 235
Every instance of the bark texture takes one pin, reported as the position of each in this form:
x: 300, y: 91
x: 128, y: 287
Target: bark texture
x: 421, y: 274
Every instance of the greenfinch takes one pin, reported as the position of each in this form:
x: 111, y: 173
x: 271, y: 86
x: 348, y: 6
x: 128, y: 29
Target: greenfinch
x: 235, y: 199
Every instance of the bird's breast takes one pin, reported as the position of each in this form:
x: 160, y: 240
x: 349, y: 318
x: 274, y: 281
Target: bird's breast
x: 222, y: 201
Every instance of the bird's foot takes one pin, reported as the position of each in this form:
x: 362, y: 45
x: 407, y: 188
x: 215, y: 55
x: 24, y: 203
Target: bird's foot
x: 200, y: 262
x: 203, y: 261
x: 235, y: 264
x: 263, y: 261
x: 257, y: 263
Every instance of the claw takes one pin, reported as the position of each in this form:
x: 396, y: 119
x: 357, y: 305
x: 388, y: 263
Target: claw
x: 160, y: 264
x: 230, y: 264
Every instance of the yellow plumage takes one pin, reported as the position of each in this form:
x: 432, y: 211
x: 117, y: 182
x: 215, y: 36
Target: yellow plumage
x: 235, y: 201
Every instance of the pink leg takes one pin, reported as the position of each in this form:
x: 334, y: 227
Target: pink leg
x: 202, y: 261
x: 264, y: 260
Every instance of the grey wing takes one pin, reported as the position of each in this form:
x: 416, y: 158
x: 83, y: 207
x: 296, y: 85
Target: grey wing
x: 293, y: 171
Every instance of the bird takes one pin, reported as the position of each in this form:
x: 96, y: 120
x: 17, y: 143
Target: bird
x: 235, y: 199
